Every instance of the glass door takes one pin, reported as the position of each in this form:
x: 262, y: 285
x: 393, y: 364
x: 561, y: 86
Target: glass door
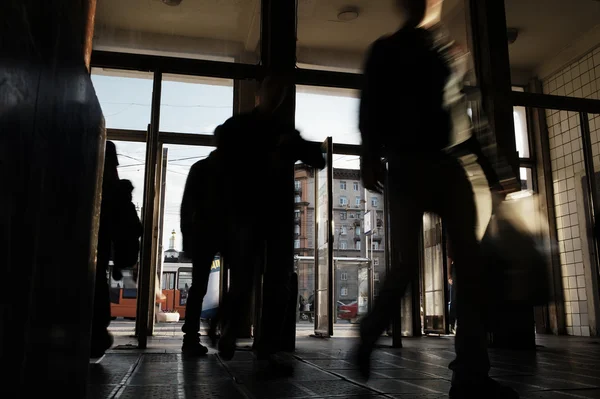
x: 433, y: 276
x: 324, y: 245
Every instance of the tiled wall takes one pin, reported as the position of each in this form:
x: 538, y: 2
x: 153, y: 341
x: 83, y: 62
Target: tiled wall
x: 580, y: 79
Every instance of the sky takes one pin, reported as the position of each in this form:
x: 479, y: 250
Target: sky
x: 197, y: 108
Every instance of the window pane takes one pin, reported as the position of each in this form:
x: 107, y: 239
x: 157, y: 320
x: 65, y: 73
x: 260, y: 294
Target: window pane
x: 180, y: 159
x: 194, y: 105
x: 132, y: 160
x: 225, y: 30
x: 332, y: 36
x: 125, y: 97
x: 521, y: 132
x: 526, y: 179
x: 324, y: 112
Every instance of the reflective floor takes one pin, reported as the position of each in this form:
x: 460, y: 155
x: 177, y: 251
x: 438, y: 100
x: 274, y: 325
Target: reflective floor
x: 563, y: 367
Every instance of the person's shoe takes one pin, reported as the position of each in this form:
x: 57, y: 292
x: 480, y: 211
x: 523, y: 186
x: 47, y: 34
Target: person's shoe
x: 226, y: 347
x: 488, y: 388
x: 213, y: 336
x: 100, y: 345
x: 362, y: 357
x: 192, y: 346
x: 272, y: 367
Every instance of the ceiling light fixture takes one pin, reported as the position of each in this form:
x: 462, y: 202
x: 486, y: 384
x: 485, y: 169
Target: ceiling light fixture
x: 348, y: 14
x: 172, y: 3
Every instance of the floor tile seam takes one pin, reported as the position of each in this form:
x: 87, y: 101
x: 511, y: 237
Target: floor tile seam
x: 342, y: 377
x: 123, y: 384
x: 240, y: 386
x: 414, y: 361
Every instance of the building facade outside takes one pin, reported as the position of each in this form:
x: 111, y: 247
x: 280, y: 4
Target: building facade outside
x: 350, y: 240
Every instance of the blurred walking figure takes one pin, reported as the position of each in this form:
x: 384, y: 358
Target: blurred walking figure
x: 118, y: 240
x: 405, y: 118
x: 258, y: 139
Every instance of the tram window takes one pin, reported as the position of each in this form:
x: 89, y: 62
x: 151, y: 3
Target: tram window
x: 183, y: 285
x: 168, y: 282
x: 185, y: 280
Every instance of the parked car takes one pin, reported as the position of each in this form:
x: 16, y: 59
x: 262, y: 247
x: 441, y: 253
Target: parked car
x: 349, y: 311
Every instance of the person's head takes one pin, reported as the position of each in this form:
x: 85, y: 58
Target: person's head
x: 272, y: 92
x: 110, y: 164
x: 413, y: 11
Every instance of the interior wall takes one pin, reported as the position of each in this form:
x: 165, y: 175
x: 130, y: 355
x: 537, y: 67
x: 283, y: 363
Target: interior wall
x: 580, y: 78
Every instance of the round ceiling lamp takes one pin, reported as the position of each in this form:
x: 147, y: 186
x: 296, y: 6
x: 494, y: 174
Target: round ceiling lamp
x: 172, y: 3
x: 348, y: 14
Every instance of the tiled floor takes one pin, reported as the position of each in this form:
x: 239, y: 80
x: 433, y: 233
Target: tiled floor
x: 563, y: 367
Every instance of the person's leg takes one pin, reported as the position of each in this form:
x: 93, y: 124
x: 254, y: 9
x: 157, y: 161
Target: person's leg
x: 275, y: 294
x: 406, y: 214
x: 241, y: 258
x: 471, y: 365
x: 101, y: 338
x: 201, y: 264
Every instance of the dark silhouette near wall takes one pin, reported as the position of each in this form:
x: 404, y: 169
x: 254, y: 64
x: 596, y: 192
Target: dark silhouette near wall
x: 118, y: 239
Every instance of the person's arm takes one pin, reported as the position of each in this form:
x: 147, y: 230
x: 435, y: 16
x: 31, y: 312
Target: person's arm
x: 306, y: 151
x: 189, y: 204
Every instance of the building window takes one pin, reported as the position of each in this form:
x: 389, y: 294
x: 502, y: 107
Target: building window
x: 297, y: 229
x: 376, y: 276
x: 374, y: 202
x: 357, y: 201
x: 344, y: 291
x: 357, y: 231
x: 296, y: 244
x: 343, y: 244
x: 375, y: 245
x: 352, y: 215
x: 344, y: 276
x: 355, y: 186
x: 297, y: 184
x: 344, y: 229
x: 343, y: 215
x: 297, y: 214
x: 343, y: 201
x: 357, y: 245
x: 342, y: 185
x: 298, y: 199
x: 376, y: 263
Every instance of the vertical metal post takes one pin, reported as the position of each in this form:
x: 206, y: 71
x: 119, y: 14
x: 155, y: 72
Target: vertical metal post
x: 490, y: 49
x: 278, y: 55
x: 156, y: 238
x: 163, y: 188
x: 445, y: 274
x: 588, y: 158
x: 144, y: 289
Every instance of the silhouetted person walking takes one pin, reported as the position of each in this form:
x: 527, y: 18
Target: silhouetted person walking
x: 118, y: 239
x: 258, y: 140
x: 203, y: 236
x: 404, y: 118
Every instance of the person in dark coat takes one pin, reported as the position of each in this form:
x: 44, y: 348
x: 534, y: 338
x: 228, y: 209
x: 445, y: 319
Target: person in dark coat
x: 203, y: 237
x: 118, y: 240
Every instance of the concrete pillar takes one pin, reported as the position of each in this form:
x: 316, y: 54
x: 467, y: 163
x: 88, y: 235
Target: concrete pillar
x: 52, y: 141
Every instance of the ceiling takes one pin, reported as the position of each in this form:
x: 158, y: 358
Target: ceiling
x: 546, y: 27
x: 230, y: 27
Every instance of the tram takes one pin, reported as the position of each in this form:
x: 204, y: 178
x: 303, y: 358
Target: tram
x: 175, y: 282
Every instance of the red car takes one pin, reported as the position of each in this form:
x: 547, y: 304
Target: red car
x: 348, y: 312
